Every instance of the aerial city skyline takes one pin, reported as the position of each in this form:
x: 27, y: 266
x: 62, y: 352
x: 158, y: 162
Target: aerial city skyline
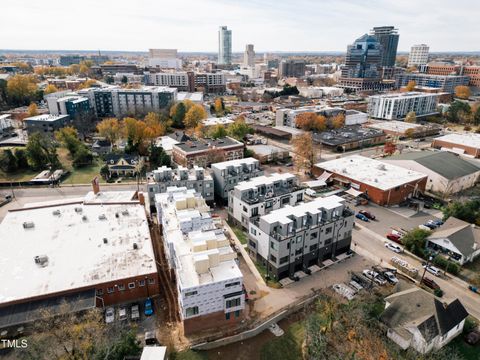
x: 224, y: 180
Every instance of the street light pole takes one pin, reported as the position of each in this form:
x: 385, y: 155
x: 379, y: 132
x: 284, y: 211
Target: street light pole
x: 425, y: 269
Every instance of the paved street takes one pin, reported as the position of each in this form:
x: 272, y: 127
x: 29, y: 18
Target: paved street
x: 371, y: 245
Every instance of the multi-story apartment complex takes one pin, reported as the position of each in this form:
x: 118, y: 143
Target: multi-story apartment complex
x: 446, y: 83
x: 115, y: 101
x: 112, y: 69
x: 226, y: 175
x: 249, y: 55
x: 182, y: 81
x: 418, y: 55
x: 262, y: 195
x: 388, y: 37
x: 209, y: 281
x: 291, y: 68
x: 397, y: 106
x: 447, y: 68
x: 224, y: 46
x: 67, y: 60
x: 295, y: 238
x: 210, y: 82
x: 164, y: 58
x: 207, y: 151
x: 164, y: 177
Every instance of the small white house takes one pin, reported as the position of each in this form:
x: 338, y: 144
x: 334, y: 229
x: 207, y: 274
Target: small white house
x: 417, y: 319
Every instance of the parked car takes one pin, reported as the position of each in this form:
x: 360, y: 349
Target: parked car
x: 367, y: 214
x: 344, y: 290
x: 432, y: 270
x: 276, y: 330
x: 437, y: 222
x: 394, y: 237
x: 375, y: 276
x: 109, y: 315
x: 135, y: 312
x: 362, y: 217
x: 430, y: 283
x: 122, y: 313
x: 390, y: 277
x: 394, y: 247
x: 430, y: 225
x: 360, y: 280
x: 311, y: 192
x: 148, y: 307
x: 355, y: 285
x: 151, y: 338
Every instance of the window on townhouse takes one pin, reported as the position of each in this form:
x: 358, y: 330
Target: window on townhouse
x: 314, y: 235
x: 283, y: 260
x: 191, y: 311
x: 255, y: 211
x: 141, y: 283
x: 110, y: 289
x: 233, y: 303
x: 131, y: 285
x: 268, y: 204
x: 191, y: 293
x: 121, y: 287
x: 328, y: 230
x: 245, y: 209
x: 299, y: 197
x: 328, y: 241
x: 252, y: 244
x: 273, y: 245
x: 151, y: 281
x: 298, y: 251
x: 299, y: 239
x: 313, y: 247
x: 99, y: 292
x: 273, y: 258
x: 236, y: 283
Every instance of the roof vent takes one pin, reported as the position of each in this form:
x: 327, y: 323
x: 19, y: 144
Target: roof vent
x: 84, y: 217
x: 56, y: 212
x: 102, y: 217
x: 125, y: 212
x: 135, y: 246
x: 28, y: 225
x: 105, y: 240
x: 41, y: 260
x: 78, y: 210
x: 117, y: 215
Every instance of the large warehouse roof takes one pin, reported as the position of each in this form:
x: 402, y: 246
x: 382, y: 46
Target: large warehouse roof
x: 371, y: 172
x: 54, y: 248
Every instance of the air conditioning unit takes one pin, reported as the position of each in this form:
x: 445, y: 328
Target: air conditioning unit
x: 78, y: 210
x: 56, y: 212
x: 102, y: 217
x: 28, y: 225
x: 41, y: 260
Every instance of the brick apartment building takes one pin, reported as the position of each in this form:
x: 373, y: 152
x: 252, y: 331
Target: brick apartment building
x: 473, y: 72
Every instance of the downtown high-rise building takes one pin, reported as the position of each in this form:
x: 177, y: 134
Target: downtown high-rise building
x: 388, y: 37
x: 249, y: 55
x: 418, y: 55
x: 363, y: 59
x: 224, y: 46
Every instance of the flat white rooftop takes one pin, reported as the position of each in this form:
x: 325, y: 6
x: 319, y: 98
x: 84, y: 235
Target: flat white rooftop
x: 282, y: 215
x: 195, y: 96
x: 110, y: 197
x: 465, y: 139
x: 405, y: 95
x: 394, y: 125
x: 217, y: 121
x: 72, y: 237
x: 236, y: 162
x: 371, y: 172
x: 264, y: 180
x: 46, y: 117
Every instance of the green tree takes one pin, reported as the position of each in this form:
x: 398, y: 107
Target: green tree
x: 124, y: 79
x: 239, y: 129
x: 42, y: 152
x: 411, y: 117
x: 22, y: 89
x: 415, y: 241
x: 8, y: 162
x: 476, y: 114
x: 468, y: 211
x: 82, y: 157
x: 218, y: 131
x: 104, y: 171
x: 68, y: 137
x: 21, y: 156
x: 158, y: 157
x: 193, y: 116
x: 457, y: 110
x: 178, y: 113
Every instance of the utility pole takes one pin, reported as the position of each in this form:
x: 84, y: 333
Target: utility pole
x: 425, y: 269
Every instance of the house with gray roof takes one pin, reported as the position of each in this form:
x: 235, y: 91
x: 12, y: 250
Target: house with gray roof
x: 456, y: 239
x: 447, y: 173
x: 417, y: 319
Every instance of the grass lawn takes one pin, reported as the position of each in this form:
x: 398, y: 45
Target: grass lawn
x: 468, y: 352
x: 83, y: 175
x: 25, y: 175
x: 286, y: 347
x: 241, y: 235
x: 263, y: 271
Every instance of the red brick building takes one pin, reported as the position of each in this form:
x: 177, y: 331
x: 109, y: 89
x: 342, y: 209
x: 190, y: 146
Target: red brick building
x: 463, y: 144
x: 384, y: 184
x: 207, y: 151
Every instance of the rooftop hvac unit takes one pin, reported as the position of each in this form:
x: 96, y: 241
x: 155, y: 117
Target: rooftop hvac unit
x: 84, y: 217
x: 125, y: 212
x: 78, y: 210
x: 56, y: 212
x: 135, y: 246
x: 102, y: 217
x: 41, y: 260
x: 28, y: 225
x: 105, y: 240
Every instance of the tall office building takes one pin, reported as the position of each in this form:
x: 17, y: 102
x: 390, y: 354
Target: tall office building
x: 249, y: 56
x: 291, y: 68
x: 164, y: 58
x: 388, y: 37
x: 363, y: 59
x: 224, y: 46
x: 418, y: 55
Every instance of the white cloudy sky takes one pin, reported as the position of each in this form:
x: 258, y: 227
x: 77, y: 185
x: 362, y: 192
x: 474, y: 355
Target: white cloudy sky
x: 191, y: 25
